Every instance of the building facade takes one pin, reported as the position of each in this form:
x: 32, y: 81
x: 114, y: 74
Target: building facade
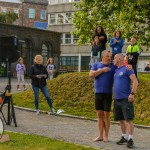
x: 32, y: 41
x: 31, y: 13
x: 74, y: 57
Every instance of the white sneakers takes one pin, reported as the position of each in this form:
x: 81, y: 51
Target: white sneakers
x: 37, y: 112
x: 53, y: 110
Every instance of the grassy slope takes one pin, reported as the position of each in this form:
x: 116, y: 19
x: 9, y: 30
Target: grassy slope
x: 74, y: 93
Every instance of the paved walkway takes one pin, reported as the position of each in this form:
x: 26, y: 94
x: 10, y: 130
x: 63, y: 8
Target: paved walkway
x: 73, y: 130
x: 4, y: 82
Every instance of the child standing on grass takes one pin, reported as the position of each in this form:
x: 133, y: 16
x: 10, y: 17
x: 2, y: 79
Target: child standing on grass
x: 51, y: 68
x: 95, y: 51
x: 20, y: 68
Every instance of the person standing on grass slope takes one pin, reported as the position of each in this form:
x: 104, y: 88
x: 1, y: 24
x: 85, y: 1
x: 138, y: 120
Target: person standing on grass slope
x: 99, y: 31
x: 51, y: 68
x: 39, y: 74
x: 124, y: 98
x: 133, y: 52
x: 20, y: 68
x: 103, y: 74
x: 95, y: 51
x: 116, y: 43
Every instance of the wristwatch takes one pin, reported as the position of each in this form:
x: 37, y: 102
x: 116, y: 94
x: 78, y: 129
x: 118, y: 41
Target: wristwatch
x: 132, y: 93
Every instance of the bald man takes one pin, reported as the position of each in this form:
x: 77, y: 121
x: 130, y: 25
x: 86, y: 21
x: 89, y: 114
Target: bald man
x: 124, y: 98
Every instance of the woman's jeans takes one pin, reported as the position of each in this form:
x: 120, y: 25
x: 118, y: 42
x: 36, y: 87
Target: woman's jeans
x: 46, y: 94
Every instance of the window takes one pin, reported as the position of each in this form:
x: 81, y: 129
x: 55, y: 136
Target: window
x: 75, y: 39
x: 31, y: 13
x: 68, y: 17
x: 69, y: 60
x: 60, y: 18
x: 52, y: 19
x: 4, y: 9
x: 43, y: 14
x: 61, y: 39
x: 16, y: 11
x: 62, y: 1
x: 85, y: 62
x: 67, y: 38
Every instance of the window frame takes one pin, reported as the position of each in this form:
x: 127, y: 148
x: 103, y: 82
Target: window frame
x: 43, y: 14
x: 31, y: 13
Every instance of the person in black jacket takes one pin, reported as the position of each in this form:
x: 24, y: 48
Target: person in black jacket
x: 99, y: 31
x: 39, y: 74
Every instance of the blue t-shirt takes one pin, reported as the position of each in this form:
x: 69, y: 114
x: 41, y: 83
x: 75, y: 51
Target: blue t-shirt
x: 103, y: 83
x: 122, y: 83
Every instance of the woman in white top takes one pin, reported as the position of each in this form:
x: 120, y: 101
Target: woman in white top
x: 51, y: 68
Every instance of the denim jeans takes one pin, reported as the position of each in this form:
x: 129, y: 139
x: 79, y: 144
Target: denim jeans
x: 46, y: 94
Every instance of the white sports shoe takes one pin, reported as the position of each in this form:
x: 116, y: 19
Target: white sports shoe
x: 53, y: 110
x: 37, y: 112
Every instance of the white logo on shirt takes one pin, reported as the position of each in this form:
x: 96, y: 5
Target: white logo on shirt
x: 121, y: 73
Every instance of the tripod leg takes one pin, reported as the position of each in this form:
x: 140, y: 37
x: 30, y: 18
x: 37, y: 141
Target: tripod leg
x: 8, y: 113
x: 2, y: 111
x: 13, y: 112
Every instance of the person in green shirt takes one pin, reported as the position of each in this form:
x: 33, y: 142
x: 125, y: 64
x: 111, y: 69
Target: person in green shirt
x: 133, y: 52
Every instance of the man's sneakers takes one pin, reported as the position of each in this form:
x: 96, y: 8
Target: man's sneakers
x: 130, y: 143
x: 122, y: 141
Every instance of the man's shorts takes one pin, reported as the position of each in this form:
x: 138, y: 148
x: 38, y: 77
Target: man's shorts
x: 123, y: 110
x: 103, y: 101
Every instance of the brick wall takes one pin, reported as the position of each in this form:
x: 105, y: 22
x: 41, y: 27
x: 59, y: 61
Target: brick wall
x: 30, y: 22
x: 23, y: 9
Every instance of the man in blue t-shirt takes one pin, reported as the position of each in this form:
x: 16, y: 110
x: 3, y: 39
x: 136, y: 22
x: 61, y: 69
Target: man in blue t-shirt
x: 124, y: 97
x: 103, y: 74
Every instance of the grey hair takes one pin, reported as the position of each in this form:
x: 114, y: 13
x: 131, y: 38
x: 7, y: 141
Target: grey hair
x: 104, y: 53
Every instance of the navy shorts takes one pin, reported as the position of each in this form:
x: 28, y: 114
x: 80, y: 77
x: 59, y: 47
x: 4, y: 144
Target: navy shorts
x: 123, y: 110
x: 103, y: 101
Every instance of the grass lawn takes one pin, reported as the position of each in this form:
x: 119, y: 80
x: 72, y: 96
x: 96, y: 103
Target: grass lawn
x: 34, y: 142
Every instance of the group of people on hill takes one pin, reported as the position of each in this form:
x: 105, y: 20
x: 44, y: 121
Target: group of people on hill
x: 113, y: 73
x: 38, y: 74
x: 116, y: 43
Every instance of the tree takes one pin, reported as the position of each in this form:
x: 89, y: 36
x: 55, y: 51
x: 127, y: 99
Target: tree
x: 130, y: 16
x: 9, y: 17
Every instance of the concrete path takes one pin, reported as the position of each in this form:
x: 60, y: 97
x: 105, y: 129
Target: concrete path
x: 73, y: 130
x: 4, y: 82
